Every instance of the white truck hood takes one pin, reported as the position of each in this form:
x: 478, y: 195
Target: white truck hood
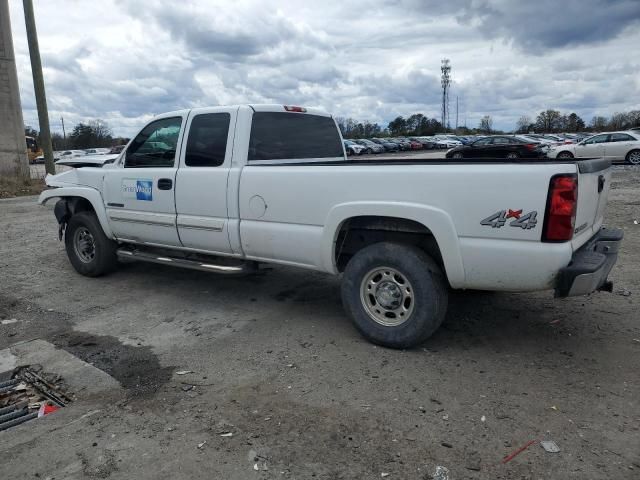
x: 88, y: 160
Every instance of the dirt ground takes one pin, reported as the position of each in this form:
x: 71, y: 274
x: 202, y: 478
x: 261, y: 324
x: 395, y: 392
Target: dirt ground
x: 280, y: 385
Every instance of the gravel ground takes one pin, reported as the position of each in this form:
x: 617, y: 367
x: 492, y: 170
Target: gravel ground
x: 282, y: 386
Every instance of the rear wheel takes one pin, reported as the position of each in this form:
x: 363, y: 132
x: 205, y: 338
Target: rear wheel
x: 633, y: 157
x: 565, y: 155
x: 395, y: 294
x: 512, y: 155
x: 89, y: 250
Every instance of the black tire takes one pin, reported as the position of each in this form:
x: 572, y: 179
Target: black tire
x: 104, y: 258
x: 457, y: 155
x: 565, y: 155
x: 512, y: 156
x: 428, y: 286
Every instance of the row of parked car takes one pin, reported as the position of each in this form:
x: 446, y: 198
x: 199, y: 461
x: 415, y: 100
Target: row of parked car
x: 397, y: 144
x: 621, y: 146
x: 68, y: 154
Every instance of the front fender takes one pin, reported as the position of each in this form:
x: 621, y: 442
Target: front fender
x: 90, y: 194
x: 436, y: 220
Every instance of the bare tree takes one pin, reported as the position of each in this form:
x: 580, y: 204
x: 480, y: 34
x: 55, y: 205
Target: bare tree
x: 486, y: 124
x: 523, y: 124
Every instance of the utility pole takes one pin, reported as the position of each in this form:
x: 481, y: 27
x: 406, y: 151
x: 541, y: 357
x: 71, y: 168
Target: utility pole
x: 13, y: 149
x: 64, y: 133
x: 456, y: 112
x: 445, y: 81
x: 38, y: 85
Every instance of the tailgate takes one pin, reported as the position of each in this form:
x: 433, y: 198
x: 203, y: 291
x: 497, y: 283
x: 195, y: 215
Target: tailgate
x: 594, y: 180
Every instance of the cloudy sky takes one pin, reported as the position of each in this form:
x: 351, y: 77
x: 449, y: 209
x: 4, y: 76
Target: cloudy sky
x: 124, y: 60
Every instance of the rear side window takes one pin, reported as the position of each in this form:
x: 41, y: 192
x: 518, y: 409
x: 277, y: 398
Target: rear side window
x: 284, y: 136
x: 621, y: 137
x: 207, y: 142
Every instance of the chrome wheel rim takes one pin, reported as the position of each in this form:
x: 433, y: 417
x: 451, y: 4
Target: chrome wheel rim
x: 634, y: 157
x: 457, y: 155
x: 387, y: 296
x: 84, y: 245
x: 512, y: 155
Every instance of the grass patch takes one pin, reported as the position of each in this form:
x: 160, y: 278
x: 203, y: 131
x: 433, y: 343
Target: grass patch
x: 11, y: 187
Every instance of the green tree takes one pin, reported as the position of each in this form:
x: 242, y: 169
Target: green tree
x: 92, y: 134
x: 397, y: 126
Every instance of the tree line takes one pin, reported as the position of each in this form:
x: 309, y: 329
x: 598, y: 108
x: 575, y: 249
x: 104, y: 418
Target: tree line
x: 93, y: 134
x: 550, y: 121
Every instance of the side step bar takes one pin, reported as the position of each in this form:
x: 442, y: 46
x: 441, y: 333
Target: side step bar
x: 243, y: 268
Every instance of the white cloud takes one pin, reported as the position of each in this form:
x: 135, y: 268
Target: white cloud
x: 123, y: 60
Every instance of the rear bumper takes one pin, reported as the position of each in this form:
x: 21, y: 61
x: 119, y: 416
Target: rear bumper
x: 590, y: 265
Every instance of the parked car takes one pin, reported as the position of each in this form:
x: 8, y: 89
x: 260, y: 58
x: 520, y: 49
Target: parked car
x: 399, y: 236
x: 426, y: 143
x: 352, y: 148
x: 446, y: 142
x: 370, y: 147
x: 415, y: 145
x: 497, y: 147
x: 388, y: 146
x: 117, y: 149
x: 97, y: 151
x: 614, y: 146
x: 402, y: 145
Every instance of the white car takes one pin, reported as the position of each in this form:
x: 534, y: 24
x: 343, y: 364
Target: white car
x: 251, y: 184
x: 614, y: 146
x: 446, y: 142
x: 353, y: 148
x: 97, y: 151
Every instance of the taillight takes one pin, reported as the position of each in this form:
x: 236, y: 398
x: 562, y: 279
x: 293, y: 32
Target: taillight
x: 531, y: 146
x: 290, y: 108
x: 562, y: 204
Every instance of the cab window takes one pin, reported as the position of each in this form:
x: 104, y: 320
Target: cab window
x: 155, y: 146
x: 207, y: 142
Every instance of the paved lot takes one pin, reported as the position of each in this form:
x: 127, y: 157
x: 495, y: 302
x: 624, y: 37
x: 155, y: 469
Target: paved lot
x: 278, y: 366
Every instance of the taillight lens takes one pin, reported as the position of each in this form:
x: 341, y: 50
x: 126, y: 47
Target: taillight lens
x: 531, y: 146
x: 562, y: 203
x: 292, y: 108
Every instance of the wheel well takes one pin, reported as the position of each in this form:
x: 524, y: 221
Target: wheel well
x: 565, y: 151
x: 66, y: 207
x: 357, y: 233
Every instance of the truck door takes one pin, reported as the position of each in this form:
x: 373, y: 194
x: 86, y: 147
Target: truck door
x: 201, y: 182
x: 139, y: 195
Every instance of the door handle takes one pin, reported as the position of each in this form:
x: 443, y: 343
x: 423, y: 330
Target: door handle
x: 165, y: 184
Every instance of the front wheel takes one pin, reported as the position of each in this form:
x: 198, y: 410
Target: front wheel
x: 457, y: 155
x: 633, y: 157
x: 395, y: 294
x: 565, y: 155
x: 89, y: 250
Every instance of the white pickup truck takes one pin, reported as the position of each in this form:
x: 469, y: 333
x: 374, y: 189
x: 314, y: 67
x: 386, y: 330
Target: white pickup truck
x: 223, y: 189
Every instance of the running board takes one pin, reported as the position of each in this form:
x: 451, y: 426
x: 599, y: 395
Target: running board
x: 243, y: 268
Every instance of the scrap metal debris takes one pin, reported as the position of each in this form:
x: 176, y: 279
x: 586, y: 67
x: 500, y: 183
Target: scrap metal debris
x: 550, y: 446
x: 441, y: 473
x: 27, y: 395
x: 511, y: 456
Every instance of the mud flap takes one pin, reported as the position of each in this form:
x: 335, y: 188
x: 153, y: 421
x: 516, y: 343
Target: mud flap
x: 62, y: 213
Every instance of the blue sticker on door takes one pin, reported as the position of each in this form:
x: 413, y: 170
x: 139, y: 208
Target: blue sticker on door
x: 138, y: 189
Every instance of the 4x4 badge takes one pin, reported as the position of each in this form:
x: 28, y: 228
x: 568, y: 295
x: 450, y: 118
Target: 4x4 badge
x: 499, y: 219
